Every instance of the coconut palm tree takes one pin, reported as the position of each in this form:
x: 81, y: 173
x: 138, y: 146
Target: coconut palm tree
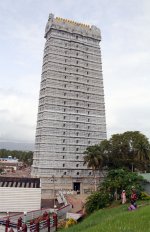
x: 94, y: 159
x: 142, y: 151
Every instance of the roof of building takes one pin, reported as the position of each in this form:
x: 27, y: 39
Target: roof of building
x: 19, y: 182
x: 8, y: 159
x: 6, y: 164
x: 71, y: 26
x: 72, y: 22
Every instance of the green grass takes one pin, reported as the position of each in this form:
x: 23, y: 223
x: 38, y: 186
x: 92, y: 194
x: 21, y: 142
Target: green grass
x: 117, y: 219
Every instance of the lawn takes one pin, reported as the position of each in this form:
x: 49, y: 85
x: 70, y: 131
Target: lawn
x: 117, y: 219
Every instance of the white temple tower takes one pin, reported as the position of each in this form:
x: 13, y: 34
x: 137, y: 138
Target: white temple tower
x: 71, y: 113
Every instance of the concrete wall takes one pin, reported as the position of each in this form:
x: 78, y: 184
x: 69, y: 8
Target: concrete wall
x: 19, y: 199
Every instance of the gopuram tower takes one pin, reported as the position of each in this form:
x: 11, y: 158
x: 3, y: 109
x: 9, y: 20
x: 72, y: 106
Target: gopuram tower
x: 71, y: 112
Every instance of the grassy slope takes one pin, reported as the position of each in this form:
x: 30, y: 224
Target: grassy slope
x: 115, y: 220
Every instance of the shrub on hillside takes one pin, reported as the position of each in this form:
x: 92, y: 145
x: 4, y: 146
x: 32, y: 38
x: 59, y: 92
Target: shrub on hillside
x: 144, y: 196
x: 70, y: 222
x: 97, y: 200
x: 61, y: 224
x: 120, y: 179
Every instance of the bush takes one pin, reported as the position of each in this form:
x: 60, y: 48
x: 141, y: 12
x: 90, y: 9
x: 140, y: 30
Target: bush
x: 97, y: 200
x: 61, y: 224
x: 120, y: 179
x: 144, y: 196
x: 70, y: 222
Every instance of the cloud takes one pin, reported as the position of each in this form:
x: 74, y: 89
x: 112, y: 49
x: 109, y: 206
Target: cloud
x: 125, y: 58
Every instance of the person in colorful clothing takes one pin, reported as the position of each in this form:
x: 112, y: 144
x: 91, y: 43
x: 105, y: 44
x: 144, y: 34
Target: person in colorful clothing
x: 123, y: 197
x: 134, y: 197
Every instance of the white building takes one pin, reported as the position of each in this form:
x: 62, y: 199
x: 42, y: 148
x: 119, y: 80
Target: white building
x: 71, y: 113
x: 19, y: 194
x: 9, y: 164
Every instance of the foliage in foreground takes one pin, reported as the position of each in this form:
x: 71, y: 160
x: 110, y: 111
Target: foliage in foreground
x: 145, y: 196
x: 96, y: 201
x: 111, y: 188
x: 115, y: 220
x: 66, y: 223
x: 70, y: 222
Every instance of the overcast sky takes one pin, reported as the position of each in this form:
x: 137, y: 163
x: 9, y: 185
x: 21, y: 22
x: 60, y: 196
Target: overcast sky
x: 125, y: 28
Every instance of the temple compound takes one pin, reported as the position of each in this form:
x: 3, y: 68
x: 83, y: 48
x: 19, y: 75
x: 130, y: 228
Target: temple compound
x: 71, y: 112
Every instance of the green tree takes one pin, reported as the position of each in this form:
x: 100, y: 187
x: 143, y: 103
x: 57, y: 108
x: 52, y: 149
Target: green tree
x: 130, y: 149
x: 119, y: 179
x: 94, y: 159
x: 24, y: 156
x: 97, y: 200
x: 113, y: 184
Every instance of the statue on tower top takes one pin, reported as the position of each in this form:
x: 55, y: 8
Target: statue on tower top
x: 51, y: 17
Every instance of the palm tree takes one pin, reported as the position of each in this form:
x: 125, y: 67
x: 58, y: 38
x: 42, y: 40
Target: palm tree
x: 94, y: 159
x: 133, y: 149
x: 143, y: 151
x: 142, y: 154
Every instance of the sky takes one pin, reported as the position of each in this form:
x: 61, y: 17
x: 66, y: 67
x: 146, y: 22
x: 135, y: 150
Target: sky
x: 125, y: 45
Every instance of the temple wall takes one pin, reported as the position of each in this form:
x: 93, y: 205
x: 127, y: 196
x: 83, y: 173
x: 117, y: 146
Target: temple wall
x: 71, y: 113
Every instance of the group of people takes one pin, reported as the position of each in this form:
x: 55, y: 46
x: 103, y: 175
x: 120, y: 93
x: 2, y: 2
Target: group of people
x: 133, y: 199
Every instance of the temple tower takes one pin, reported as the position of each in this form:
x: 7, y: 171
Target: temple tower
x: 71, y: 112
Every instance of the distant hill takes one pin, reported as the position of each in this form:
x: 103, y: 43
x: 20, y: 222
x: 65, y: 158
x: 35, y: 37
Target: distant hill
x: 17, y: 146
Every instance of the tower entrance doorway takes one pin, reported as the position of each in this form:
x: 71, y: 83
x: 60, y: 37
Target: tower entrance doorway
x: 76, y: 187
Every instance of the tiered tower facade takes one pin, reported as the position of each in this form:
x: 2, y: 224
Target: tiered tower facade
x: 71, y: 113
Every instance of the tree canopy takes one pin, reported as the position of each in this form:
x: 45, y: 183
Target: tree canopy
x: 94, y: 157
x: 24, y: 156
x: 119, y: 179
x: 129, y: 150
